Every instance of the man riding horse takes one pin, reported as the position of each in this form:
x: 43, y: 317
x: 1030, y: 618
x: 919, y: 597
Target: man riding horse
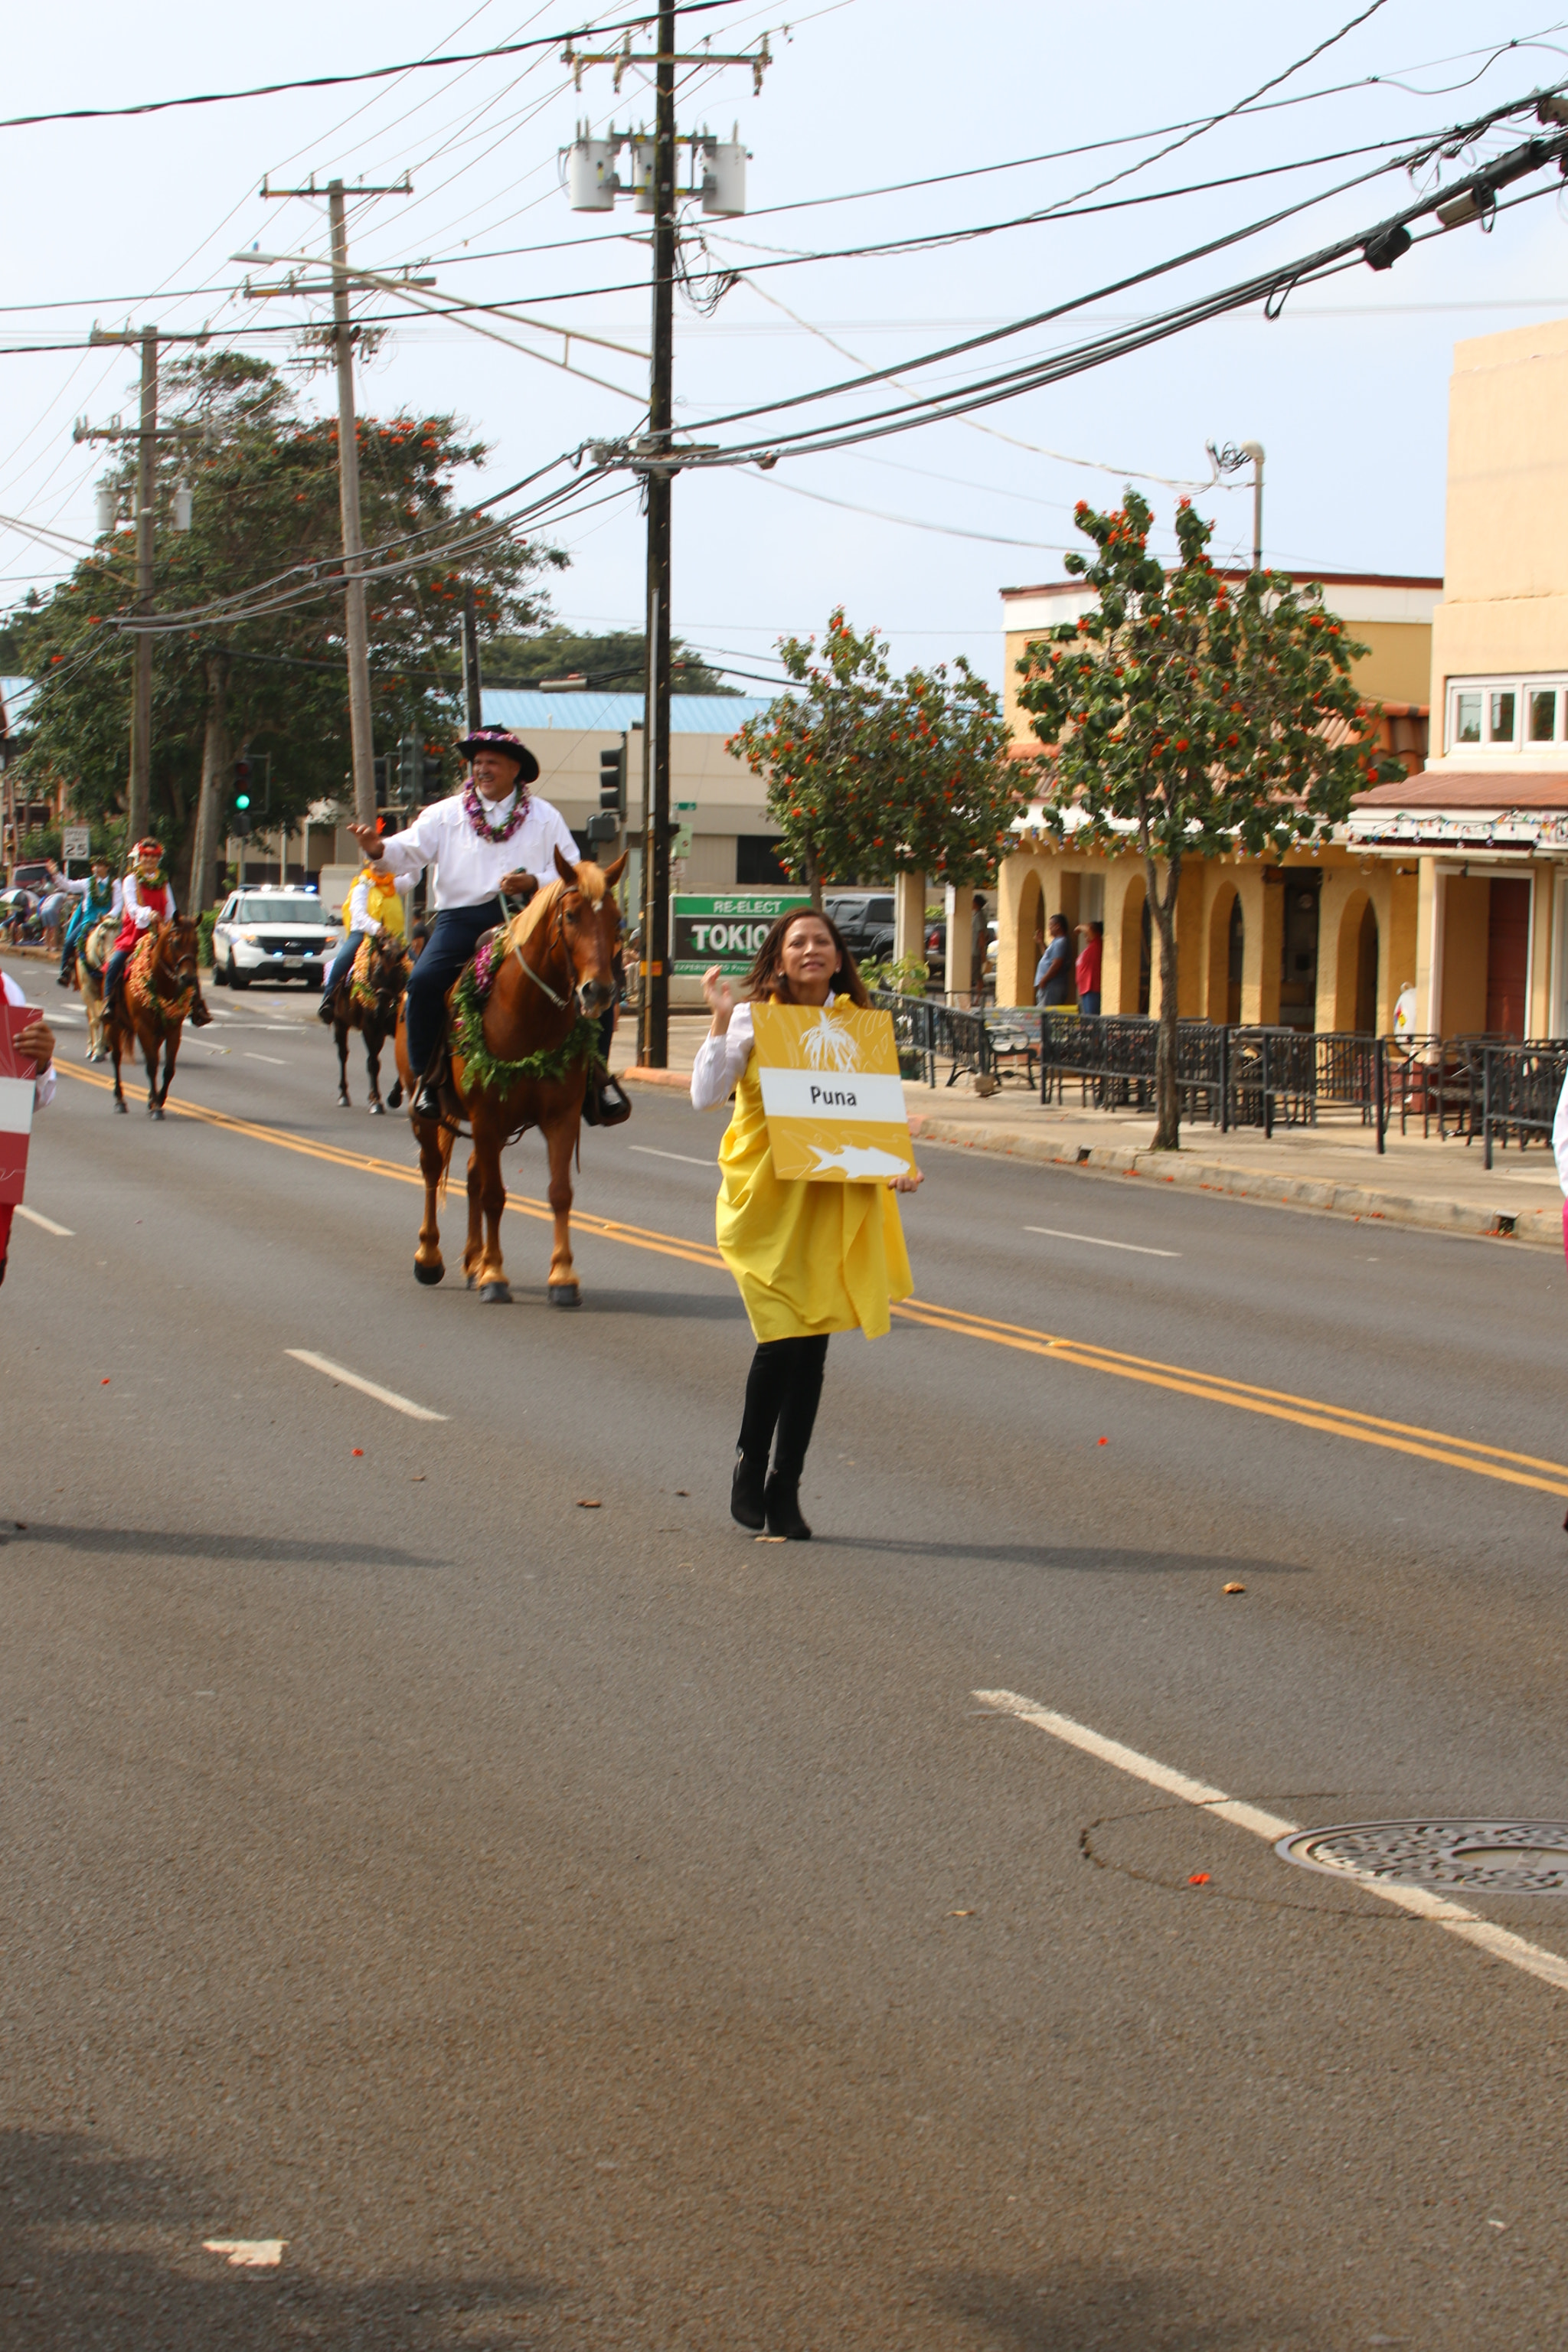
x: 492, y: 840
x: 147, y: 899
x: 373, y: 906
x: 98, y: 898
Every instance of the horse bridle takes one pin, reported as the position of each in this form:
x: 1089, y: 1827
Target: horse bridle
x: 557, y: 932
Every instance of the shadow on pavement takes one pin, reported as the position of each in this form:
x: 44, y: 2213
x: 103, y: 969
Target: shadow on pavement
x: 676, y: 1307
x: 159, y: 1543
x: 1104, y: 2307
x: 1076, y: 1557
x: 101, y: 2249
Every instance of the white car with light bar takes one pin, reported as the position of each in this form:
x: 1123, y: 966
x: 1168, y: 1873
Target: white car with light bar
x: 271, y: 934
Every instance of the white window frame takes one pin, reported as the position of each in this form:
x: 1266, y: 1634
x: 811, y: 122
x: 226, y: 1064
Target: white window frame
x: 1522, y: 685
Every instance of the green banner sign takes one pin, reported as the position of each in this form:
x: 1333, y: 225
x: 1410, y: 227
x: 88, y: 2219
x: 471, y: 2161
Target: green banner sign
x: 726, y: 930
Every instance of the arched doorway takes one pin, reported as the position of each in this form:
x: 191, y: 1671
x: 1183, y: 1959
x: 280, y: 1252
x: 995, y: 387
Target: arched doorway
x: 1222, y: 998
x: 1027, y: 944
x: 1356, y: 962
x: 1366, y: 973
x: 1133, y: 962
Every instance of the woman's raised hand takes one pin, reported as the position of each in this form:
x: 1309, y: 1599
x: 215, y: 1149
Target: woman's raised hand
x: 721, y: 998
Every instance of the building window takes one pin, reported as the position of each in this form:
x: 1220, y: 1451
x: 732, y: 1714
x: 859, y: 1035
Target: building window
x: 756, y: 862
x: 1507, y: 713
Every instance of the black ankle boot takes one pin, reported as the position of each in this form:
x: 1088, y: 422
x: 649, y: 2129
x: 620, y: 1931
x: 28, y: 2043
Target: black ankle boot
x: 746, y: 1505
x: 781, y: 1502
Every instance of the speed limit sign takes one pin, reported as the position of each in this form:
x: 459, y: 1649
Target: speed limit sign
x: 76, y: 841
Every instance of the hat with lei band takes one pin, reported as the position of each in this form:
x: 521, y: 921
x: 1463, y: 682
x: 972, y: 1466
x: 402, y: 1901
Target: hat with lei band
x: 502, y: 740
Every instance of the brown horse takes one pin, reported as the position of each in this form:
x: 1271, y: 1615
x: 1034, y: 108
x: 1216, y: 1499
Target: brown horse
x: 157, y: 993
x: 553, y: 975
x: 384, y: 980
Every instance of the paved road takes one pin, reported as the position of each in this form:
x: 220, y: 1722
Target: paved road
x: 585, y: 1927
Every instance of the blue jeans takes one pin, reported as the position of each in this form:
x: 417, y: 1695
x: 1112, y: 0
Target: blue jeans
x: 342, y: 960
x: 454, y: 935
x: 1089, y: 1004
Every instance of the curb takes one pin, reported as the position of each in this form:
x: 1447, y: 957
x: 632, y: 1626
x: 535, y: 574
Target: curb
x: 1541, y: 1227
x: 640, y: 1077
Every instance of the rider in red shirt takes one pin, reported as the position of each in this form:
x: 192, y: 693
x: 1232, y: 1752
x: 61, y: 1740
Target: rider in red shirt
x: 148, y: 900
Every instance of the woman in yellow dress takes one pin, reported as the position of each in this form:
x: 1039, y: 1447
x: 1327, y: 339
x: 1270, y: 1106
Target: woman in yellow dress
x: 811, y: 1259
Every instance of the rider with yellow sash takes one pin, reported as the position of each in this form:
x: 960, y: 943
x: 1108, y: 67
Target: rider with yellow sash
x: 374, y: 905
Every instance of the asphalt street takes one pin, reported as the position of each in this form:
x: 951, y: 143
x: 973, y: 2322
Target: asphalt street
x: 450, y: 1848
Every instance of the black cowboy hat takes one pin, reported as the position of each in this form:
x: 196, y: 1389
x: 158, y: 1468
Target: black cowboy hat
x: 501, y: 739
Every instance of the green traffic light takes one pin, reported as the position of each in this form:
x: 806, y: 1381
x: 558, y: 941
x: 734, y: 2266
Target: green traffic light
x: 242, y: 800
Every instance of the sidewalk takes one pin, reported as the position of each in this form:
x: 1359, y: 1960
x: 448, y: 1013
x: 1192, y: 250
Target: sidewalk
x: 1334, y: 1168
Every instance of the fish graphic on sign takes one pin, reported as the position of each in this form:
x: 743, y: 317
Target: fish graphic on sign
x: 832, y: 1093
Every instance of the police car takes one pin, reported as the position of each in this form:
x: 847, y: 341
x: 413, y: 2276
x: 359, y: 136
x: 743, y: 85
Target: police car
x: 272, y: 933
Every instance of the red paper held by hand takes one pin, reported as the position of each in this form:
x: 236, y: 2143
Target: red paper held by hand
x: 17, y: 1075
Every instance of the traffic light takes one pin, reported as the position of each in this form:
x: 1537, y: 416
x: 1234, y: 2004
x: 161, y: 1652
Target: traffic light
x: 239, y: 824
x: 434, y: 771
x: 410, y: 770
x: 381, y: 764
x: 612, y: 793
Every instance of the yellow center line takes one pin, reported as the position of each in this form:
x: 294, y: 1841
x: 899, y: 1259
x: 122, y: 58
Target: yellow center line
x: 1210, y: 1388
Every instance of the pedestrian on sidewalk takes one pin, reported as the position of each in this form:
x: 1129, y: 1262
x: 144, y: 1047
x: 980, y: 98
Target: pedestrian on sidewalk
x: 810, y: 1258
x: 1090, y: 953
x: 1053, y: 973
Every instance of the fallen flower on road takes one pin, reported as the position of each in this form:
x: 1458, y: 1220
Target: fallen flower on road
x: 1236, y: 1588
x: 359, y: 1449
x: 1199, y: 1878
x: 247, y: 2254
x: 584, y: 1504
x: 960, y: 1915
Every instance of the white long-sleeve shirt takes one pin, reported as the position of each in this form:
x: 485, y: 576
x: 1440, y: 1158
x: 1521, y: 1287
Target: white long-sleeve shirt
x: 468, y: 869
x: 720, y: 1062
x: 360, y: 918
x: 44, y: 1086
x: 130, y: 904
x: 1560, y: 1138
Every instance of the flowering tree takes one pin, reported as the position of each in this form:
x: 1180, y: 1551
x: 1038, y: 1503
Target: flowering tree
x: 265, y: 483
x: 868, y: 772
x: 1193, y: 721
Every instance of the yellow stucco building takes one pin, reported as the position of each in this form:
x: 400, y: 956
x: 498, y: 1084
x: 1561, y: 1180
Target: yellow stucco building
x: 1454, y: 883
x: 1323, y: 942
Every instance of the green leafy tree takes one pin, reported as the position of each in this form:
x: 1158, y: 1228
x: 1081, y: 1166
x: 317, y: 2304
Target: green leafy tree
x: 265, y: 499
x: 617, y: 663
x: 868, y: 773
x: 1192, y: 720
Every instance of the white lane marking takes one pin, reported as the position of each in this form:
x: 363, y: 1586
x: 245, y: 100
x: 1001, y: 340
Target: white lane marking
x: 685, y: 1157
x: 1500, y: 1943
x: 273, y: 1058
x: 247, y: 2254
x: 366, y: 1388
x: 1139, y: 1249
x: 65, y: 1233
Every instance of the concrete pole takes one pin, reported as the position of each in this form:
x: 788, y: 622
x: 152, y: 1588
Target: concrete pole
x: 139, y: 814
x: 361, y: 732
x: 909, y: 917
x: 958, y: 978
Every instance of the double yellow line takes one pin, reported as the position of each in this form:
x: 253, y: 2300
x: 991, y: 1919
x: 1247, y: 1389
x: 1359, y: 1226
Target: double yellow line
x: 1210, y: 1388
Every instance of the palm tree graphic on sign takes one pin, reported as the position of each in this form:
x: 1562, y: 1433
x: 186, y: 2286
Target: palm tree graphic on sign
x: 829, y: 1043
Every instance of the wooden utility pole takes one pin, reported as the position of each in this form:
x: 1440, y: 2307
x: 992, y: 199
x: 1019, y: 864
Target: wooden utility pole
x: 356, y: 634
x: 653, y: 1018
x: 139, y: 813
x: 146, y: 435
x: 473, y: 683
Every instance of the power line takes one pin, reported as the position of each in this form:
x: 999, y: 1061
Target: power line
x: 370, y: 73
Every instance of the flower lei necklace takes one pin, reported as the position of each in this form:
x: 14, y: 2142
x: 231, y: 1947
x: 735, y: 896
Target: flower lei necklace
x: 473, y: 809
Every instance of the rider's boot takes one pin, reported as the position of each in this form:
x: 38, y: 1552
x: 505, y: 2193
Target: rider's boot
x: 428, y: 1103
x: 201, y: 1012
x: 605, y: 1102
x: 327, y: 1010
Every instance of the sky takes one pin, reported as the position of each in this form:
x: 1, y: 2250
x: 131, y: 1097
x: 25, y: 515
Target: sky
x: 137, y: 221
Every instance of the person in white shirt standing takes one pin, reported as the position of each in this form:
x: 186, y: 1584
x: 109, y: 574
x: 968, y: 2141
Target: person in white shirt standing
x: 37, y: 1041
x: 492, y: 840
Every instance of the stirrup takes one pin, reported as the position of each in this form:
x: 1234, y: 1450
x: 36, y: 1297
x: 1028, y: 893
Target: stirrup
x: 605, y: 1101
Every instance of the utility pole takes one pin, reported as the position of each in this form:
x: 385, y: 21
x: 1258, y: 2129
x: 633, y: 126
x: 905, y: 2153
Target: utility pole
x: 473, y: 694
x: 1230, y: 460
x: 356, y: 633
x: 653, y: 1016
x: 594, y: 185
x: 146, y: 435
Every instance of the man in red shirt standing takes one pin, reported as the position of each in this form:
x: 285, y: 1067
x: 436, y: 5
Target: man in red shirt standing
x: 1090, y: 954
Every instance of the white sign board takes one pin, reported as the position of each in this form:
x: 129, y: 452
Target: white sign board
x: 76, y: 841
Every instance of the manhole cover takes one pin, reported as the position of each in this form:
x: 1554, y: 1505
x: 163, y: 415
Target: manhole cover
x: 1482, y: 1857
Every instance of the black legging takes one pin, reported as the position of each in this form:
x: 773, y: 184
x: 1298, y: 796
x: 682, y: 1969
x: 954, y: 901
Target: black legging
x: 783, y: 1389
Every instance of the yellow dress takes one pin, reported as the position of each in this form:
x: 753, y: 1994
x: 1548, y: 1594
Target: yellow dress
x: 809, y: 1258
